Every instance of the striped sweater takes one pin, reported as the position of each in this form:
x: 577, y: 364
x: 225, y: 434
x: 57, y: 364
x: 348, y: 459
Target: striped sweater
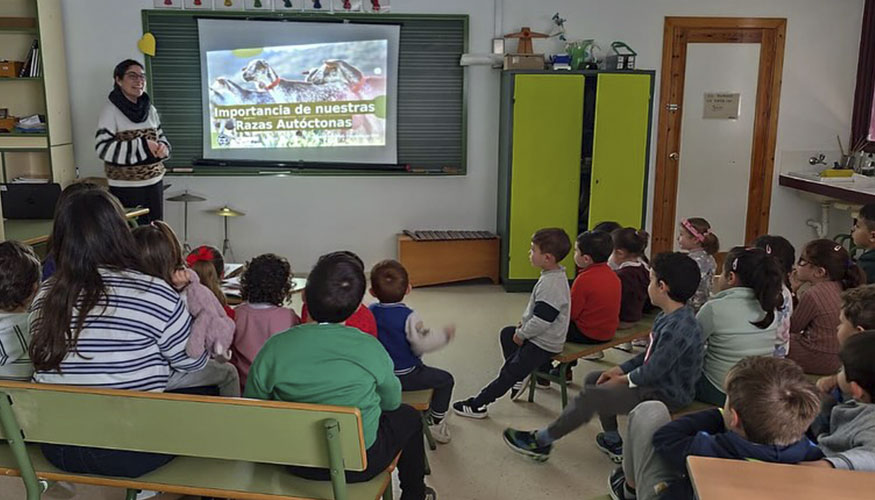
x: 133, y: 342
x: 123, y: 147
x: 815, y: 319
x: 14, y: 340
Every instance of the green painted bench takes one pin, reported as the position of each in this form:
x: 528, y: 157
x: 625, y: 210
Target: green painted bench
x: 572, y: 352
x: 229, y: 448
x: 421, y: 400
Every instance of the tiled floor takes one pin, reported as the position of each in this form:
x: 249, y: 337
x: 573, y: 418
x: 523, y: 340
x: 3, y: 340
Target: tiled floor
x: 476, y: 465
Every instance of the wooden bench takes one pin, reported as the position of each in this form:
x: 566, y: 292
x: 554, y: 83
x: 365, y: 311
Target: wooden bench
x: 572, y: 352
x: 229, y: 448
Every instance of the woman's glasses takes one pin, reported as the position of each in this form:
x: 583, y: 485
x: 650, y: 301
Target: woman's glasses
x: 137, y: 77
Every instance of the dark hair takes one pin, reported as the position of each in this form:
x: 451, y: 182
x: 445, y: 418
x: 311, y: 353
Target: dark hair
x: 267, y: 279
x: 858, y: 305
x: 630, y: 240
x: 73, y: 188
x: 781, y: 250
x: 335, y: 288
x: 836, y: 261
x: 554, y: 241
x: 19, y: 272
x: 160, y: 251
x: 760, y: 272
x: 867, y: 216
x: 857, y: 355
x: 607, y: 226
x: 711, y: 243
x: 89, y: 233
x: 597, y: 244
x: 209, y: 265
x: 122, y: 68
x: 680, y: 274
x: 389, y: 281
x: 773, y: 398
x: 345, y: 254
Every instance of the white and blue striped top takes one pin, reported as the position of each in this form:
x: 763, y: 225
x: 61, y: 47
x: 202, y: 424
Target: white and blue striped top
x: 134, y: 342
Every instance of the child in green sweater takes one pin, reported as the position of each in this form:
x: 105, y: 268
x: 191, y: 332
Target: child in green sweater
x: 328, y: 363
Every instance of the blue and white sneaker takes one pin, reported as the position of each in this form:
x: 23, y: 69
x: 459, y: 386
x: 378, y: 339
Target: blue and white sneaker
x: 613, y: 449
x: 465, y: 408
x: 524, y: 443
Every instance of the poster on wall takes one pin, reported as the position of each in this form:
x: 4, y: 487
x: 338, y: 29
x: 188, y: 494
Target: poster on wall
x: 199, y: 4
x: 229, y: 4
x: 347, y: 5
x: 377, y: 6
x: 258, y: 5
x: 288, y: 5
x: 168, y: 4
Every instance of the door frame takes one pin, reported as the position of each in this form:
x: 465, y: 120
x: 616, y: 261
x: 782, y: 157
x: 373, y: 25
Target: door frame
x: 679, y: 31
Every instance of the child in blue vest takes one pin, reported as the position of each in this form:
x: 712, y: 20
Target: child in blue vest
x: 402, y: 333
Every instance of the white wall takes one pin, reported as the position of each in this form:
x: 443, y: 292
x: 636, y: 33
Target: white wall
x: 302, y: 217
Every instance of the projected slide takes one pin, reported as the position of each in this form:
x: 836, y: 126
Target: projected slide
x: 320, y: 95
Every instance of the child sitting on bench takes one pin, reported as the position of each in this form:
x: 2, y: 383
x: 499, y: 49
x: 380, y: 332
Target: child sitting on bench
x: 405, y: 338
x: 667, y: 371
x: 325, y: 362
x: 19, y: 281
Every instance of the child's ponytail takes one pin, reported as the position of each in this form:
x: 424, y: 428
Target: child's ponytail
x: 633, y: 241
x: 836, y: 261
x: 757, y: 270
x: 701, y: 231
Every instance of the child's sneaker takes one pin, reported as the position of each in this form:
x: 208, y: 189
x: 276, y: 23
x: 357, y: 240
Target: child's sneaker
x: 613, y: 449
x: 617, y: 486
x: 641, y: 343
x: 627, y: 347
x: 463, y: 408
x: 595, y: 357
x: 519, y: 388
x: 543, y: 384
x: 525, y: 443
x: 440, y: 432
x: 568, y: 373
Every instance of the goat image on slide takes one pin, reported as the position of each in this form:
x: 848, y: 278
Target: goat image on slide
x: 225, y: 92
x: 282, y: 90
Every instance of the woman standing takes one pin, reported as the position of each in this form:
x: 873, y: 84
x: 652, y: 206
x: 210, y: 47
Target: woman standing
x: 131, y: 143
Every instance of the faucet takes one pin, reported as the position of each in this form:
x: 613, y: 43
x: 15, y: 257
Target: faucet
x: 817, y: 160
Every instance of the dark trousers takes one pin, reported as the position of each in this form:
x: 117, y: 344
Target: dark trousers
x: 400, y: 430
x: 707, y: 392
x: 151, y: 197
x: 84, y: 460
x: 519, y: 361
x: 426, y: 377
x: 578, y: 337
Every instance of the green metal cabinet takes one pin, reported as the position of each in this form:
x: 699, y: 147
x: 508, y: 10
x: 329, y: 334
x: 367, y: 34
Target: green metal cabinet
x: 574, y: 150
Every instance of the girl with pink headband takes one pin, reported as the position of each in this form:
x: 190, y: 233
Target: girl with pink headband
x: 696, y: 238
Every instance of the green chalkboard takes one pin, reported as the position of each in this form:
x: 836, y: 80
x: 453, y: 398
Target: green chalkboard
x: 431, y: 118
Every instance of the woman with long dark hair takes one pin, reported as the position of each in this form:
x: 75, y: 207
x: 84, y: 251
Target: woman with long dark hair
x: 100, y: 322
x: 131, y: 143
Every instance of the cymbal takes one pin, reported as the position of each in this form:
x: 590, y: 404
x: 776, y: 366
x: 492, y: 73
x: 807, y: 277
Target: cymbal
x: 228, y: 212
x: 186, y: 197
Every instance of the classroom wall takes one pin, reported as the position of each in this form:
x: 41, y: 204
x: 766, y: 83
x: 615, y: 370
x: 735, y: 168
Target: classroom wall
x: 303, y: 217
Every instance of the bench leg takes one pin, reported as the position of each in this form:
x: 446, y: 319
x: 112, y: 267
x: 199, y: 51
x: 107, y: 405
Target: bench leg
x: 563, y: 383
x: 131, y: 494
x: 335, y: 459
x: 14, y: 437
x: 533, y: 381
x: 427, y: 433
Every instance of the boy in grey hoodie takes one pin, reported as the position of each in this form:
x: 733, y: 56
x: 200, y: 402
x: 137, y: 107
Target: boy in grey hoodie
x: 541, y: 333
x: 850, y: 442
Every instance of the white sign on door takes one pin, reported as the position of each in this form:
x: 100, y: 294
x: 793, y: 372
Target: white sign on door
x: 721, y: 105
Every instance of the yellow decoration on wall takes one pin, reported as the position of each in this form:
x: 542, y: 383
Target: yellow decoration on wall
x: 146, y: 44
x: 247, y: 53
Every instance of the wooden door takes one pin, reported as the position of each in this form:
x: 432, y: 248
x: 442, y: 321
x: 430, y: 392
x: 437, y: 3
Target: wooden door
x: 679, y: 32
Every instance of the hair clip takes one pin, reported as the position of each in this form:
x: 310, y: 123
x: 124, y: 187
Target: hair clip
x: 837, y: 248
x: 768, y: 249
x: 735, y: 264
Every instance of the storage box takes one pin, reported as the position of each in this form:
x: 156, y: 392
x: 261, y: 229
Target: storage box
x: 10, y: 69
x: 524, y: 61
x: 7, y: 123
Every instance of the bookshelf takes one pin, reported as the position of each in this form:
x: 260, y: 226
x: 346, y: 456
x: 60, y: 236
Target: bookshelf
x: 46, y: 155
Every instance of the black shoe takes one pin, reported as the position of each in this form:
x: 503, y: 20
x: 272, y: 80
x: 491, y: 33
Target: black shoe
x: 525, y: 443
x: 430, y: 493
x: 617, y: 486
x: 465, y: 408
x: 614, y: 450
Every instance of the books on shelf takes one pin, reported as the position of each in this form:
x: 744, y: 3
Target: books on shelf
x: 34, y: 124
x: 31, y: 66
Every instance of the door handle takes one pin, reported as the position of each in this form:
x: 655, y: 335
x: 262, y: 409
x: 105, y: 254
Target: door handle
x: 674, y: 156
